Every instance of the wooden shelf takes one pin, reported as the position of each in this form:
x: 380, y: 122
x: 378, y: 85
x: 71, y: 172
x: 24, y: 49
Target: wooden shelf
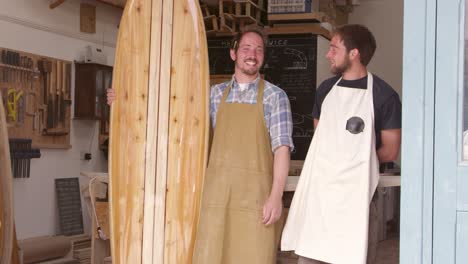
x: 314, y: 16
x: 384, y: 181
x: 314, y: 28
x: 19, y: 68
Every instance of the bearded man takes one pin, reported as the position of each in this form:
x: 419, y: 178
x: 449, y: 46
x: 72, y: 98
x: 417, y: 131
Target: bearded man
x: 248, y: 164
x: 357, y: 119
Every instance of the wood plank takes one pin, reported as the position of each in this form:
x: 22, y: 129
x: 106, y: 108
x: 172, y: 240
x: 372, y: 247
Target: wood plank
x: 318, y: 16
x: 127, y: 155
x: 55, y: 3
x: 6, y: 193
x: 152, y: 135
x: 116, y: 3
x: 188, y: 133
x: 291, y: 29
x: 161, y: 46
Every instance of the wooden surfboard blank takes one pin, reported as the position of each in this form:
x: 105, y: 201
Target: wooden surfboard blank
x: 6, y: 192
x: 188, y: 132
x: 159, y: 131
x: 128, y: 133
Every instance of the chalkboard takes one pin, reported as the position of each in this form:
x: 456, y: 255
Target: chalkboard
x: 291, y: 64
x: 218, y: 55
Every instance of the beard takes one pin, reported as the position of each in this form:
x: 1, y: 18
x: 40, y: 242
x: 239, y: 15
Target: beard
x: 252, y: 70
x: 340, y: 69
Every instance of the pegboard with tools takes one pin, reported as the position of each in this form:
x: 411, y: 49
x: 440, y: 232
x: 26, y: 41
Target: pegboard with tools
x: 36, y: 92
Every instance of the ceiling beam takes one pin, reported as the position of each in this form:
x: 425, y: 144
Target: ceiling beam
x: 118, y: 3
x: 54, y: 3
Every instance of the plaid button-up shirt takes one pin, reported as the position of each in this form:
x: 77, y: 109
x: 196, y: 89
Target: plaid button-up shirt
x: 276, y: 108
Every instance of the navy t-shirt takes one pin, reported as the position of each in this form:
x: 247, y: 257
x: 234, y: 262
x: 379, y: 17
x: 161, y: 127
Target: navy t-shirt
x: 387, y: 104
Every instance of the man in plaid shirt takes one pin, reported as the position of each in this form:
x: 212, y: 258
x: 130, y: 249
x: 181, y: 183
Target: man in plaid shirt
x: 249, y: 162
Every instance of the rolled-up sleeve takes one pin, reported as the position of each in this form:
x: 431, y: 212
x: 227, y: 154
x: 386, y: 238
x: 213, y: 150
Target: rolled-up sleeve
x: 280, y: 121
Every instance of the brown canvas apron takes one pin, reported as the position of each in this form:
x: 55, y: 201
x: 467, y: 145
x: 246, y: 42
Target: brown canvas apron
x: 237, y: 183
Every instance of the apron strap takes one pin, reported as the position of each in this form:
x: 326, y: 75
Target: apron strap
x: 226, y: 93
x: 261, y: 85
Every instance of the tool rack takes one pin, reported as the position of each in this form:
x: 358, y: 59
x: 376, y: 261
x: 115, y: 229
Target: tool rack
x: 36, y: 92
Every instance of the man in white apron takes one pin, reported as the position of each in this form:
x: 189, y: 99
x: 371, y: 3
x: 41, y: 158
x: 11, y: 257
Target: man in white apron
x: 358, y: 123
x: 248, y: 165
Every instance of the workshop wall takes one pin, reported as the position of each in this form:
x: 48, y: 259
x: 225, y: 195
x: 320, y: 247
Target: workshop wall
x: 323, y: 66
x: 385, y: 19
x: 30, y: 26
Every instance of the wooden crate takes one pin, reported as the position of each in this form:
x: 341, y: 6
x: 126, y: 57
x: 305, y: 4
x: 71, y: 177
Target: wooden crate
x: 210, y: 19
x: 228, y: 23
x: 242, y: 12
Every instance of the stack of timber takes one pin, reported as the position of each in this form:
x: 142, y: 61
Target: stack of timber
x: 6, y: 193
x: 159, y: 131
x: 81, y: 247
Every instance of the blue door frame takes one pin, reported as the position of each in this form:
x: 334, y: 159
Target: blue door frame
x: 434, y: 209
x: 417, y: 154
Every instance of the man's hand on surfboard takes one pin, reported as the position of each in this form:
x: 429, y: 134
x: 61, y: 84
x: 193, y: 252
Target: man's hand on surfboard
x: 111, y: 96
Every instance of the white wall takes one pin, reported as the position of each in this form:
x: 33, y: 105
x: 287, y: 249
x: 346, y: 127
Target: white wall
x: 32, y: 27
x: 384, y: 18
x: 323, y: 66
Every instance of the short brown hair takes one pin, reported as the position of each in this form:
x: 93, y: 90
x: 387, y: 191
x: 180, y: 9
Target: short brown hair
x: 248, y: 29
x: 358, y: 37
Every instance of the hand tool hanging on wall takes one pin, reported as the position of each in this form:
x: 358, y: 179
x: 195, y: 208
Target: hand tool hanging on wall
x: 63, y: 108
x: 53, y: 104
x: 21, y: 109
x: 22, y: 73
x: 31, y: 75
x: 21, y: 155
x: 4, y: 99
x: 4, y: 69
x: 13, y: 59
x: 7, y: 61
x: 33, y: 113
x: 45, y: 68
x: 50, y: 100
x: 57, y: 93
x: 12, y: 104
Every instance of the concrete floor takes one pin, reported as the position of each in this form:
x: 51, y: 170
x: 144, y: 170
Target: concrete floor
x: 387, y: 253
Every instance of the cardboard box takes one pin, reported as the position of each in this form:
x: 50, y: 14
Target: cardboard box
x: 292, y: 6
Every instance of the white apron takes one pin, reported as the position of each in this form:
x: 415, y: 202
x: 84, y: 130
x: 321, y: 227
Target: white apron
x: 329, y: 215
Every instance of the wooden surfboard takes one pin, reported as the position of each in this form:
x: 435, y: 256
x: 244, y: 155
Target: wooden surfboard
x: 6, y: 193
x: 159, y: 131
x: 188, y: 130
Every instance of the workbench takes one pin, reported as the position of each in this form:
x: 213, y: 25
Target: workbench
x: 385, y: 180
